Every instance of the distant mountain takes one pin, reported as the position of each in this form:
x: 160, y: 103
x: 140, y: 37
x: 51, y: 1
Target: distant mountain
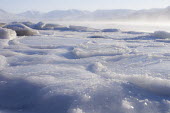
x: 115, y: 15
x: 31, y: 14
x: 87, y: 15
x: 98, y: 15
x: 2, y: 11
x: 6, y: 16
x: 110, y: 14
x: 151, y: 15
x: 65, y: 14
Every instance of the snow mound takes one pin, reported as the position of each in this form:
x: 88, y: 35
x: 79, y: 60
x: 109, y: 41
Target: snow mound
x: 2, y: 24
x: 133, y: 32
x: 154, y: 84
x: 51, y: 26
x: 28, y: 24
x: 75, y: 28
x: 39, y: 26
x: 97, y: 67
x: 40, y: 89
x: 81, y: 29
x: 161, y: 34
x: 48, y: 26
x: 7, y: 33
x: 62, y: 28
x: 77, y: 110
x: 21, y: 29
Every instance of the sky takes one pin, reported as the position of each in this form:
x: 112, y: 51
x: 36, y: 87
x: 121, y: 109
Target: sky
x: 17, y: 6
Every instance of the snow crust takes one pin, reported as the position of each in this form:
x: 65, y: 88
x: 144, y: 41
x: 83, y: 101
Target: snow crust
x: 68, y: 72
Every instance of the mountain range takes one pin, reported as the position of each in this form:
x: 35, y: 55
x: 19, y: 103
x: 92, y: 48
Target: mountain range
x: 98, y: 15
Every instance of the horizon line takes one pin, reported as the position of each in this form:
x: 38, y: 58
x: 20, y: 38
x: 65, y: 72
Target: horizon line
x: 83, y: 10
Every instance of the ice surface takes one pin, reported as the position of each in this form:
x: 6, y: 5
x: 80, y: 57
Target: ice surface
x: 69, y: 72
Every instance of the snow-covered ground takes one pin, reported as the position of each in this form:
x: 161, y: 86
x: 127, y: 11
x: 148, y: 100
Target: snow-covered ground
x: 80, y: 72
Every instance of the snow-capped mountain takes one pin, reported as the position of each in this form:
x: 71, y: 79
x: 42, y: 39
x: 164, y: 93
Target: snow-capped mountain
x: 2, y: 11
x: 31, y: 14
x: 110, y: 14
x: 65, y: 14
x: 6, y: 16
x: 73, y: 15
x: 151, y: 14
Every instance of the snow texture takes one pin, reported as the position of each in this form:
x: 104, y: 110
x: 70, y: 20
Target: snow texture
x: 68, y: 72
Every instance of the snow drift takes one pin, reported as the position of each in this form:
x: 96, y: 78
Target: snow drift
x: 21, y: 29
x: 49, y: 26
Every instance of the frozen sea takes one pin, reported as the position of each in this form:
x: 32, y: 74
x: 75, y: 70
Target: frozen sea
x: 70, y: 72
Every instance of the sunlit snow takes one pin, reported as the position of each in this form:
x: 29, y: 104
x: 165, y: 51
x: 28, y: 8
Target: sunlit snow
x: 85, y: 70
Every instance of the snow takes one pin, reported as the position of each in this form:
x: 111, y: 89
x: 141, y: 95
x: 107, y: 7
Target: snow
x: 95, y: 49
x: 75, y: 72
x: 3, y: 62
x: 110, y: 30
x: 7, y: 33
x: 95, y: 36
x: 21, y: 29
x: 161, y: 34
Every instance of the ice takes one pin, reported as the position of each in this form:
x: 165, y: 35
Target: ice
x: 95, y: 36
x: 29, y: 24
x: 39, y: 26
x: 2, y: 24
x: 7, y: 33
x: 82, y: 29
x: 3, y: 62
x: 110, y: 30
x: 153, y: 84
x: 95, y: 49
x: 44, y: 26
x: 5, y: 36
x: 127, y: 105
x: 133, y: 32
x: 21, y: 29
x: 61, y: 71
x: 161, y: 34
x: 78, y: 110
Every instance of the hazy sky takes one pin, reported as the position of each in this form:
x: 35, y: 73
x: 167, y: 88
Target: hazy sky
x: 17, y: 6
